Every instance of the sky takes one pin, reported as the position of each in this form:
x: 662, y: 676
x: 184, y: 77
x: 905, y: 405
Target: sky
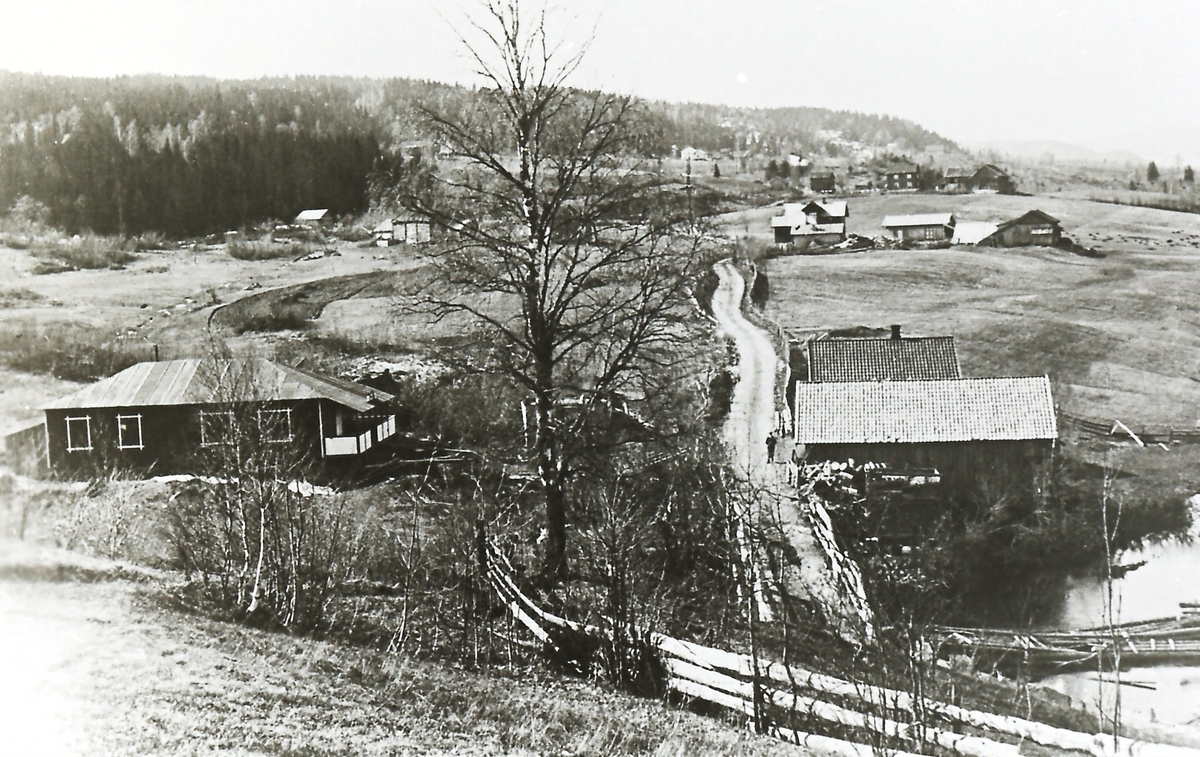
x: 1101, y: 74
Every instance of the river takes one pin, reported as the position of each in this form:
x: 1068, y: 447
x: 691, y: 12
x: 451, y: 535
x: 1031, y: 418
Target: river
x: 1171, y: 575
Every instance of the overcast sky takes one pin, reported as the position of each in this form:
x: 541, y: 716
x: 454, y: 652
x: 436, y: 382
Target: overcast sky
x: 1098, y: 73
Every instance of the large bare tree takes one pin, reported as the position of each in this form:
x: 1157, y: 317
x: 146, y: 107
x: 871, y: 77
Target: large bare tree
x: 560, y: 240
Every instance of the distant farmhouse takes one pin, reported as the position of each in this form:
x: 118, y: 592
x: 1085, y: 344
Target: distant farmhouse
x: 902, y: 176
x: 1035, y: 228
x: 693, y: 153
x: 924, y: 227
x: 955, y: 180
x: 157, y: 416
x: 314, y: 217
x: 823, y: 183
x: 819, y: 221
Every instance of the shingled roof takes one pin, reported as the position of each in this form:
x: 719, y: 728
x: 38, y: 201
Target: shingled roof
x: 956, y: 410
x: 905, y: 359
x: 209, y: 381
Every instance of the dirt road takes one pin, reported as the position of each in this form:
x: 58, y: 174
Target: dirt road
x: 820, y: 572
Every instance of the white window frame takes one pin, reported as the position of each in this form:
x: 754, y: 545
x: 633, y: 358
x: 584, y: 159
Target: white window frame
x: 268, y: 426
x: 87, y: 429
x: 228, y: 427
x: 121, y: 420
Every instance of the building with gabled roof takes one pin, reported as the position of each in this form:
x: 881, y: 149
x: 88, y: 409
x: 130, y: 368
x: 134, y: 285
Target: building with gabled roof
x: 157, y: 416
x: 921, y: 227
x: 900, y: 176
x: 894, y: 359
x: 1035, y: 228
x: 822, y: 221
x: 992, y: 178
x: 312, y: 217
x: 977, y: 434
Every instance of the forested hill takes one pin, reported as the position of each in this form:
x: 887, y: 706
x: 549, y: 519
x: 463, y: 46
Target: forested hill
x: 187, y: 156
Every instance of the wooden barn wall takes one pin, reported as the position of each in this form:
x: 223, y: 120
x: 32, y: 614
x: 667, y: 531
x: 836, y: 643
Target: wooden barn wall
x: 969, y: 469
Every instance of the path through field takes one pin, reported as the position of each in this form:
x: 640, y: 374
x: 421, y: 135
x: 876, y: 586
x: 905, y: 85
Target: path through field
x: 752, y: 416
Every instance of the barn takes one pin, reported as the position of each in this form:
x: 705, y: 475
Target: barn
x: 923, y: 227
x: 160, y: 416
x: 992, y: 178
x: 1035, y: 228
x: 823, y: 183
x: 894, y: 359
x: 974, y: 433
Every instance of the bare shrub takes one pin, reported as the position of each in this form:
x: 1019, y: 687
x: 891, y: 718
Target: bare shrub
x: 73, y: 352
x: 88, y: 252
x: 264, y: 249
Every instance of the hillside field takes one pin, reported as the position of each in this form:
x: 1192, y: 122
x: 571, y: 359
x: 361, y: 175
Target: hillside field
x: 1119, y: 335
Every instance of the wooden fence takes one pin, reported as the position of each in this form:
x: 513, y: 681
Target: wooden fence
x: 774, y: 696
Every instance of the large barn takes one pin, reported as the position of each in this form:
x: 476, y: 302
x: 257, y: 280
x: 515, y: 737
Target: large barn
x: 1035, y: 228
x: 159, y: 416
x: 973, y: 431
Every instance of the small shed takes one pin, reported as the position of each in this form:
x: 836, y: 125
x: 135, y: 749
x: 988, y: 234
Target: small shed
x: 923, y: 227
x: 1035, y: 228
x: 410, y: 228
x: 313, y: 217
x: 902, y: 176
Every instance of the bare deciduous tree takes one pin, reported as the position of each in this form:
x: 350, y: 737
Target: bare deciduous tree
x: 572, y: 258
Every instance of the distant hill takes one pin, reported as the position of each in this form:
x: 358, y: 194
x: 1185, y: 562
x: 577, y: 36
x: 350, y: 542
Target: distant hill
x: 1060, y: 152
x: 191, y: 155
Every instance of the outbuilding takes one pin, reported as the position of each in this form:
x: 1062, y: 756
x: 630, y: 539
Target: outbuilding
x: 992, y: 178
x: 1035, y: 228
x: 313, y: 217
x: 897, y: 358
x: 925, y: 227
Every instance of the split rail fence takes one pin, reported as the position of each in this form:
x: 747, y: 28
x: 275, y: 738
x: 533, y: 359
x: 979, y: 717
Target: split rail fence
x: 771, y: 695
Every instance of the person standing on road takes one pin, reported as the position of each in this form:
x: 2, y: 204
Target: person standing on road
x: 770, y: 448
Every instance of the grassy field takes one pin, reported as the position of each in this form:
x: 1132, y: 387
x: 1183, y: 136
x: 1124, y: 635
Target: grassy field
x: 1119, y: 335
x: 73, y: 630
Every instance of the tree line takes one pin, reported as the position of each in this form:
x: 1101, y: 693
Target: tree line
x: 190, y: 156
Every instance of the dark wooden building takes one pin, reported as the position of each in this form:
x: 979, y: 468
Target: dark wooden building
x: 924, y: 227
x: 1035, y: 228
x: 902, y: 176
x: 161, y: 417
x: 972, y: 433
x: 895, y: 359
x: 992, y: 178
x: 823, y: 183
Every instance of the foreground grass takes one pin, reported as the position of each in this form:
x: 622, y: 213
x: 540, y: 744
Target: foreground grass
x: 96, y: 663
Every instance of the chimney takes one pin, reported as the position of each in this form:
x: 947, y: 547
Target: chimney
x: 895, y: 331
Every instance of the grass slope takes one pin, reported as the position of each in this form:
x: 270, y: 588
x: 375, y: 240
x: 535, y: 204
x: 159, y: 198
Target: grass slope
x: 96, y: 664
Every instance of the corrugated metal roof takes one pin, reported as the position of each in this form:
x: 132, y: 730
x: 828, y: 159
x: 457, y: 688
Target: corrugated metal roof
x: 906, y: 359
x: 199, y: 382
x: 921, y: 219
x: 955, y: 410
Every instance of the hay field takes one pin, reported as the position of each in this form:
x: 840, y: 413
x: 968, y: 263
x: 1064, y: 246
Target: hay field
x: 1119, y: 335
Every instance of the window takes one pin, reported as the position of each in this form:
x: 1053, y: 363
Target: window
x: 216, y: 427
x: 79, y: 433
x: 276, y: 424
x: 934, y: 232
x: 129, y: 432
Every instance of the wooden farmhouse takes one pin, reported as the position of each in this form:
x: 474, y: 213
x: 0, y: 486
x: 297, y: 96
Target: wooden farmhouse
x: 903, y: 176
x: 821, y: 221
x: 1035, y: 228
x: 161, y: 417
x: 991, y: 178
x: 823, y: 183
x: 978, y: 436
x: 895, y: 359
x: 925, y: 227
